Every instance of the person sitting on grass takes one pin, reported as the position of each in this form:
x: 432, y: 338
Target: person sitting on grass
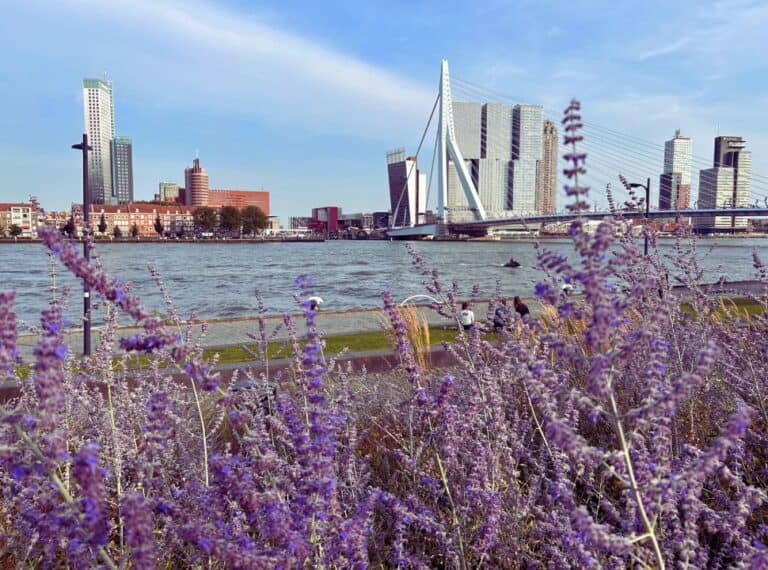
x: 466, y: 316
x: 520, y: 307
x: 501, y: 316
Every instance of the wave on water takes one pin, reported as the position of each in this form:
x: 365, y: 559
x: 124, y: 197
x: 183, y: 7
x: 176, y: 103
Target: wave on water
x: 236, y: 311
x: 362, y: 273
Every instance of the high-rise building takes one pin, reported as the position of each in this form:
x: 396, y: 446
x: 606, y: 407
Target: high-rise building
x: 196, y: 184
x: 122, y: 169
x: 497, y: 131
x: 726, y: 185
x: 493, y: 174
x: 527, y: 151
x: 546, y: 183
x: 675, y: 181
x: 468, y: 121
x: 98, y: 112
x: 502, y: 147
x: 407, y: 189
x: 673, y: 194
x: 110, y: 162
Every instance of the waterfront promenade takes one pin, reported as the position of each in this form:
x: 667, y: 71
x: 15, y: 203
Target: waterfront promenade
x: 229, y: 332
x: 235, y: 331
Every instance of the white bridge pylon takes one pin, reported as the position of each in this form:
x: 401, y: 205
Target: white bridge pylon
x: 447, y: 146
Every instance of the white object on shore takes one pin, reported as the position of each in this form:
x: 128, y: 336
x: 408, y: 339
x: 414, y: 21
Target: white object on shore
x: 567, y: 288
x: 316, y: 300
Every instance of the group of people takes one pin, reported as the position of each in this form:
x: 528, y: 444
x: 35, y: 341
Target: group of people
x: 502, y: 317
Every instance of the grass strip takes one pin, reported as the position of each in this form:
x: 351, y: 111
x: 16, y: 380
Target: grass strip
x: 730, y: 307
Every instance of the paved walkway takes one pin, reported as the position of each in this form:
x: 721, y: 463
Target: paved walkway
x: 223, y: 332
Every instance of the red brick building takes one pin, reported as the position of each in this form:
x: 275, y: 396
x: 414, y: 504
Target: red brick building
x: 197, y: 193
x: 175, y: 218
x: 239, y: 199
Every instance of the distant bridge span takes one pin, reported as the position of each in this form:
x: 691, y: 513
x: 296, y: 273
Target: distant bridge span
x: 481, y: 227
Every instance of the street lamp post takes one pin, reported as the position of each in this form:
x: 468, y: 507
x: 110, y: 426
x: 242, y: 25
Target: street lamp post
x: 647, y: 188
x: 84, y: 147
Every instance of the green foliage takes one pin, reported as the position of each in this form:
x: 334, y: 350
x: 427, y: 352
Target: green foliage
x: 229, y: 218
x: 102, y: 224
x: 14, y: 230
x: 253, y: 219
x: 117, y: 232
x: 205, y: 218
x: 134, y: 231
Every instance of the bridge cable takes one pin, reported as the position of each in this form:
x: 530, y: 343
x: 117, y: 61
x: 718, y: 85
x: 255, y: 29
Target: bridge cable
x: 410, y: 171
x: 587, y: 125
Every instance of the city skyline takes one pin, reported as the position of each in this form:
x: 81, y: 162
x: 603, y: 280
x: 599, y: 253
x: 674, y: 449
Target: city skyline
x: 372, y: 78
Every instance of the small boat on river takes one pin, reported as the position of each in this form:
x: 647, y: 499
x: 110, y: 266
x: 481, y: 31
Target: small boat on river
x: 512, y: 263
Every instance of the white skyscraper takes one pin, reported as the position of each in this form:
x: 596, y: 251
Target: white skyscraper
x: 677, y: 157
x: 98, y: 112
x: 675, y: 181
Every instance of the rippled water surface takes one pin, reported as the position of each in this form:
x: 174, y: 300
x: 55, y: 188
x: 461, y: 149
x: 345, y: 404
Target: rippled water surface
x: 220, y: 279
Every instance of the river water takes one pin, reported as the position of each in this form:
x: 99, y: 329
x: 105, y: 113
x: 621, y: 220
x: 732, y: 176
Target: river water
x: 219, y: 280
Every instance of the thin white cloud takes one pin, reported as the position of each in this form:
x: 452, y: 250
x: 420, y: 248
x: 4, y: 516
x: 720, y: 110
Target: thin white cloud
x: 239, y: 64
x: 663, y: 50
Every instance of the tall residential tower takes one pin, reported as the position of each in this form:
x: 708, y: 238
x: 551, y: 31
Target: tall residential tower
x: 99, y: 115
x: 546, y: 184
x: 110, y: 163
x: 122, y: 169
x: 675, y: 181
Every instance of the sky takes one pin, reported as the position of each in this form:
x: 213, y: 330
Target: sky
x: 304, y: 99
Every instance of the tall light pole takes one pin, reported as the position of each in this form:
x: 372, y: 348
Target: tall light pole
x: 647, y: 188
x: 84, y: 147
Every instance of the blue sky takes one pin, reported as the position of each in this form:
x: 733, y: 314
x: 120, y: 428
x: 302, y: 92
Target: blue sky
x: 305, y: 98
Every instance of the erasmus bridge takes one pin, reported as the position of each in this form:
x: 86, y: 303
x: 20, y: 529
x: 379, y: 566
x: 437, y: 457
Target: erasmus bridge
x: 610, y: 154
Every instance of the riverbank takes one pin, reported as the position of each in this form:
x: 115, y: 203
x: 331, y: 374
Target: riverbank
x: 236, y: 332
x: 195, y: 241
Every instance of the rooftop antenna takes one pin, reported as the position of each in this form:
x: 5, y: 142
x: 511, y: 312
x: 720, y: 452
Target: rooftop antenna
x: 197, y: 153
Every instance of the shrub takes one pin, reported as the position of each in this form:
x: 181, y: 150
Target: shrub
x: 615, y: 430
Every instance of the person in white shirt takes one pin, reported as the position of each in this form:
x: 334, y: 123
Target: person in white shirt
x: 466, y: 316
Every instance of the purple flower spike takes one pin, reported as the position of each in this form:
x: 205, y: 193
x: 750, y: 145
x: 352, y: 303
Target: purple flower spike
x: 9, y: 355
